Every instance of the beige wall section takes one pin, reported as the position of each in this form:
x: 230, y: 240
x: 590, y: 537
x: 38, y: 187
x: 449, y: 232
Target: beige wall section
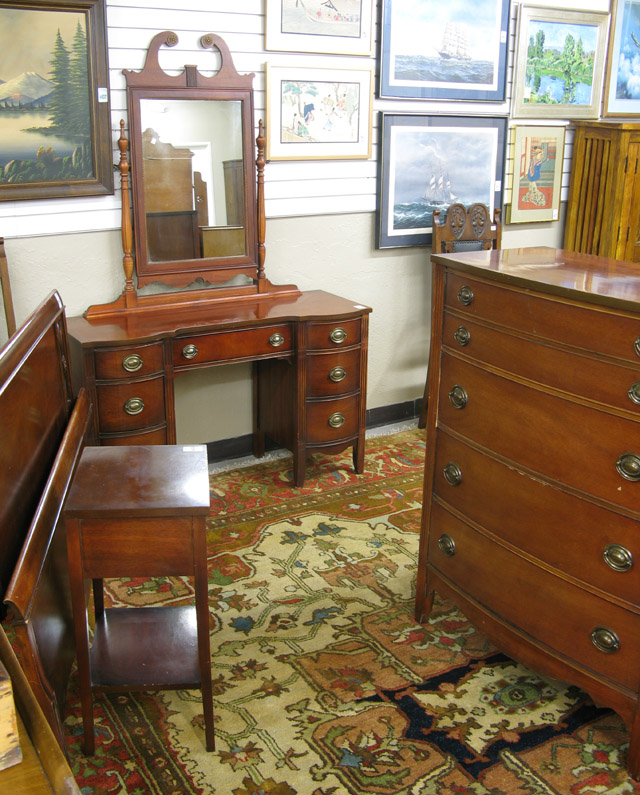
x: 333, y: 253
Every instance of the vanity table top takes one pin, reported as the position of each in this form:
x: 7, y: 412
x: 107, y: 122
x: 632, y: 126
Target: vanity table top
x: 159, y: 323
x: 586, y: 277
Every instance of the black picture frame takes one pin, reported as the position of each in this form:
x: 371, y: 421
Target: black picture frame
x: 429, y: 161
x: 444, y: 51
x: 57, y: 144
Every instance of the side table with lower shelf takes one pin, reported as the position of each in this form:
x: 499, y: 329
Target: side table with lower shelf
x: 140, y: 511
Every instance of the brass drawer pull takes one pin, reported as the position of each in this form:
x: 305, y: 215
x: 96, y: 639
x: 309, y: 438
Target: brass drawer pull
x: 617, y: 557
x: 634, y: 393
x: 336, y: 419
x: 276, y: 340
x: 134, y: 405
x: 338, y: 335
x: 190, y: 351
x: 337, y: 374
x: 636, y: 345
x: 458, y: 397
x: 447, y: 545
x: 462, y: 336
x: 628, y: 465
x: 452, y: 474
x: 132, y: 363
x: 605, y: 640
x: 465, y: 295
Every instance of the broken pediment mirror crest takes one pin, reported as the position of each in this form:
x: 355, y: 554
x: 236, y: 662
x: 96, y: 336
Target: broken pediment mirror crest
x: 196, y: 218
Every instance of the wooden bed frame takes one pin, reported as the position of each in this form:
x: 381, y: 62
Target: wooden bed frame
x: 43, y: 430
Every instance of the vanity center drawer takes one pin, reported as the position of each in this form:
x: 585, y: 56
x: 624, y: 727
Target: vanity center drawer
x: 234, y: 345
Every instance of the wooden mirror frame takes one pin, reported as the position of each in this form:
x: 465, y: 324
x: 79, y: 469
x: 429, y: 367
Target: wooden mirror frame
x: 226, y: 84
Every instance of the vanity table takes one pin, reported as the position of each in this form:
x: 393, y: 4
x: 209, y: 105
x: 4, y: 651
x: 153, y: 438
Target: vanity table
x: 531, y: 510
x: 198, y: 230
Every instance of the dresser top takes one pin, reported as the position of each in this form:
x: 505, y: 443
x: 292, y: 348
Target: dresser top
x: 583, y: 277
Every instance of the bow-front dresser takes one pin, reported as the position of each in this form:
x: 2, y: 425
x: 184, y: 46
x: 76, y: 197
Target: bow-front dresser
x: 532, y: 476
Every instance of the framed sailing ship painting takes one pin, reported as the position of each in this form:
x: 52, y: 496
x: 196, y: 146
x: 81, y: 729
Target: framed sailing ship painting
x: 452, y: 50
x: 429, y: 162
x: 341, y: 27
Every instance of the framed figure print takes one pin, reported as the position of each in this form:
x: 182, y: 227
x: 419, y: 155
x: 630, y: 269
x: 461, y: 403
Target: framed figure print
x: 341, y: 27
x: 319, y: 114
x: 622, y: 81
x: 55, y: 126
x: 444, y: 50
x: 559, y: 63
x: 537, y: 174
x: 431, y: 161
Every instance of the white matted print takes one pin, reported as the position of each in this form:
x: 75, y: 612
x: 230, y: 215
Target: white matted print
x: 318, y: 113
x: 537, y: 174
x: 341, y: 27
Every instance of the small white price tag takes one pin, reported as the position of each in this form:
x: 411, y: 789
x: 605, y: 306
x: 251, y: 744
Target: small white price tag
x: 103, y: 95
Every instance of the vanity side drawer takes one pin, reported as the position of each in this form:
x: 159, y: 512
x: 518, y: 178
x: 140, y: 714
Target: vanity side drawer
x: 564, y: 440
x: 550, y: 609
x: 571, y: 534
x: 222, y: 346
x: 332, y: 420
x: 131, y: 405
x: 588, y: 327
x: 333, y: 373
x: 152, y: 436
x: 615, y: 385
x: 116, y: 363
x: 337, y: 334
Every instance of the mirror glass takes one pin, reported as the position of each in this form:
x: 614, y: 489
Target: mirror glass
x: 193, y: 178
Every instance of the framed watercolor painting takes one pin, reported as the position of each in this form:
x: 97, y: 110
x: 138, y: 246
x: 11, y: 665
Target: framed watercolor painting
x: 451, y: 50
x: 428, y: 162
x: 341, y: 27
x: 537, y: 174
x: 559, y: 63
x: 622, y: 81
x: 55, y: 127
x: 319, y: 114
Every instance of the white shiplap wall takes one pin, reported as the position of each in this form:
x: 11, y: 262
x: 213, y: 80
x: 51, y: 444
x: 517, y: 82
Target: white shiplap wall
x: 291, y: 188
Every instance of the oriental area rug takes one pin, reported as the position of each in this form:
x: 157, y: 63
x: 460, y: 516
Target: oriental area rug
x: 323, y: 682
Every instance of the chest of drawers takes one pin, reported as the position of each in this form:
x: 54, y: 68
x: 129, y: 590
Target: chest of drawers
x: 532, y: 477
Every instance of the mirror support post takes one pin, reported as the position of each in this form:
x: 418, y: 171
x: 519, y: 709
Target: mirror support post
x: 260, y: 164
x: 130, y: 295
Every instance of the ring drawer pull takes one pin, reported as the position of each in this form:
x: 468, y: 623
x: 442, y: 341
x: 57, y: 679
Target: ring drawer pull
x: 452, y: 474
x: 628, y: 465
x: 634, y: 393
x: 605, y: 640
x: 132, y: 363
x: 462, y: 336
x: 134, y: 405
x: 337, y: 374
x: 636, y: 345
x: 338, y: 335
x: 276, y: 340
x: 458, y: 397
x: 447, y: 545
x: 336, y: 419
x: 617, y: 557
x: 190, y: 351
x: 465, y: 296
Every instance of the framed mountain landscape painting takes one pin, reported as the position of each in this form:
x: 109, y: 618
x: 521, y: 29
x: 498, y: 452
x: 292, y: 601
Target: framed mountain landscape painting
x: 55, y: 130
x: 444, y: 50
x: 429, y: 162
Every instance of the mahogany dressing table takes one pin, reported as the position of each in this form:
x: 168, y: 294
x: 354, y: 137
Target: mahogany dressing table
x: 199, y: 228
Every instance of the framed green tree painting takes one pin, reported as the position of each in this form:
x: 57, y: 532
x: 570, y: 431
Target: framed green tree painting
x: 55, y: 130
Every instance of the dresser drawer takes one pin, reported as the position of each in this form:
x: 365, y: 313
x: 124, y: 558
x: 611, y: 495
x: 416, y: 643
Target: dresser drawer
x: 595, y: 379
x: 112, y: 363
x: 333, y: 373
x: 332, y: 420
x: 563, y: 440
x: 223, y: 346
x: 337, y: 334
x: 128, y: 406
x: 566, y: 532
x: 550, y: 609
x: 593, y: 329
